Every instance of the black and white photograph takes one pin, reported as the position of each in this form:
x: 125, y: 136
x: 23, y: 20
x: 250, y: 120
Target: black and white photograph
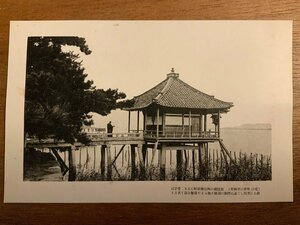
x: 201, y: 109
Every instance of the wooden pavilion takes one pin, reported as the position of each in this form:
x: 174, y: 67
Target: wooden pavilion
x: 178, y: 117
x: 175, y: 110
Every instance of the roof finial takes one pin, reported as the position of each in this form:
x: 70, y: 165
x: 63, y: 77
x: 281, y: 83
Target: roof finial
x: 173, y: 74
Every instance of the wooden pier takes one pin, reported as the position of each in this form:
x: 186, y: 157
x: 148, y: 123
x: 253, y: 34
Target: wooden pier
x: 176, y: 116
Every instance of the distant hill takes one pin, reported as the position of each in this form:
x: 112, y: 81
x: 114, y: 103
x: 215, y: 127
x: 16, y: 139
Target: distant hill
x: 255, y: 138
x: 258, y: 126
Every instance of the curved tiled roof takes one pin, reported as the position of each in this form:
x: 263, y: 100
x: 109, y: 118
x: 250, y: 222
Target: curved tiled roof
x: 173, y: 92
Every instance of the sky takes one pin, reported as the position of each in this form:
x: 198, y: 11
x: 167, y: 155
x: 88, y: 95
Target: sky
x: 244, y: 62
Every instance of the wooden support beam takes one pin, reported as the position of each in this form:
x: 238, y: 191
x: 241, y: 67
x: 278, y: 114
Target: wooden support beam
x: 109, y: 164
x: 102, y: 163
x: 116, y: 157
x: 72, y: 163
x: 182, y: 147
x: 162, y: 162
x: 63, y: 167
x: 225, y: 150
x: 119, y: 175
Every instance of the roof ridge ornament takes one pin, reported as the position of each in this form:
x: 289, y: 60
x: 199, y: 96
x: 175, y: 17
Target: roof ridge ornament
x: 173, y: 74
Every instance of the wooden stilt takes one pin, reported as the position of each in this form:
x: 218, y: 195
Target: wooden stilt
x: 95, y: 157
x: 200, y: 146
x: 109, y: 164
x: 144, y: 152
x: 153, y: 153
x: 87, y: 157
x: 193, y: 162
x: 142, y: 162
x: 122, y: 158
x: 72, y: 164
x: 213, y: 160
x: 128, y: 155
x: 179, y: 164
x: 102, y: 163
x: 80, y: 157
x: 133, y: 167
x: 206, y: 160
x: 162, y: 162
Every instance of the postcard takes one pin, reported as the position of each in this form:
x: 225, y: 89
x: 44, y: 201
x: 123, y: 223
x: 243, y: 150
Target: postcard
x: 149, y: 111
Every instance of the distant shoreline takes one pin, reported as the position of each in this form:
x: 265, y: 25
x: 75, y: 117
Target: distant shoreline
x: 257, y: 126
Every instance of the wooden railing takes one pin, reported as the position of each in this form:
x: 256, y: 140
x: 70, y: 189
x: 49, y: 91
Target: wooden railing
x: 116, y: 135
x: 174, y: 134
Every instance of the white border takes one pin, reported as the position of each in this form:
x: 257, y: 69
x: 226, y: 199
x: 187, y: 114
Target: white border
x: 16, y: 190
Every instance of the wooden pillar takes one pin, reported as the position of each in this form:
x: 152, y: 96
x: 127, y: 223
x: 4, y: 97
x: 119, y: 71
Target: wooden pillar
x: 109, y: 164
x: 163, y: 123
x: 190, y: 124
x: 200, y: 124
x: 162, y: 162
x: 145, y: 122
x: 72, y: 164
x: 102, y: 163
x: 138, y: 121
x: 133, y: 168
x: 205, y: 122
x: 179, y: 164
x: 157, y: 123
x: 128, y: 121
x: 182, y: 124
x: 219, y: 122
